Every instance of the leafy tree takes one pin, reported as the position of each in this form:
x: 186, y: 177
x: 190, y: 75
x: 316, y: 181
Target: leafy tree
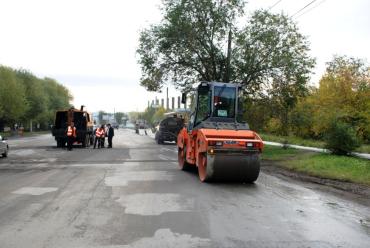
x: 148, y: 115
x: 344, y: 94
x: 35, y: 96
x: 258, y: 112
x: 24, y: 97
x: 159, y: 114
x: 301, y: 117
x: 270, y: 49
x: 57, y: 97
x: 12, y: 97
x: 272, y: 62
x: 189, y: 44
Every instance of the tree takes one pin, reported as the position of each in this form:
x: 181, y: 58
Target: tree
x: 24, y: 97
x: 58, y: 97
x: 12, y: 97
x: 159, y: 114
x: 35, y: 96
x: 301, y: 116
x: 188, y: 45
x: 148, y: 115
x: 344, y: 95
x: 271, y: 49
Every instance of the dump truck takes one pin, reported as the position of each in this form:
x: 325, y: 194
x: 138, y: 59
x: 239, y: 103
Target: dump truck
x: 83, y: 122
x: 222, y: 147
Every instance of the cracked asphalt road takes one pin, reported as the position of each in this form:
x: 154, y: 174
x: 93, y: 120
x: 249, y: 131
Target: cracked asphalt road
x: 135, y: 196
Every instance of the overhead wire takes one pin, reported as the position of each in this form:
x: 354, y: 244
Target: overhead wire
x: 314, y: 7
x: 304, y: 8
x: 272, y: 6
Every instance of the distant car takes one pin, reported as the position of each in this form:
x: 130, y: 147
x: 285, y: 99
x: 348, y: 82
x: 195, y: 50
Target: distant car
x: 4, y: 147
x: 168, y: 129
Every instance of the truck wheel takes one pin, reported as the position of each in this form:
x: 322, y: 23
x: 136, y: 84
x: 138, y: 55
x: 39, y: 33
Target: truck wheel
x: 5, y: 154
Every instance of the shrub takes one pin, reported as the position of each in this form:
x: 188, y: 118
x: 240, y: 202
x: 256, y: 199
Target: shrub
x: 274, y: 126
x: 341, y: 138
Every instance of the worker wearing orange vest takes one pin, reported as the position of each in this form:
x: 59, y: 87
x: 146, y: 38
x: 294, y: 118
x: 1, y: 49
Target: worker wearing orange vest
x: 99, y: 135
x: 71, y: 135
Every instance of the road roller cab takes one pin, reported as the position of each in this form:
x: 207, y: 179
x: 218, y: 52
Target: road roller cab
x: 215, y: 141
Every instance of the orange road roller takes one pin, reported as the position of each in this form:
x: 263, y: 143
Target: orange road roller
x: 222, y: 148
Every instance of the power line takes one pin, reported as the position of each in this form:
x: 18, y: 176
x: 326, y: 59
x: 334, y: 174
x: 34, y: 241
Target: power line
x: 304, y: 7
x: 314, y: 7
x: 275, y: 4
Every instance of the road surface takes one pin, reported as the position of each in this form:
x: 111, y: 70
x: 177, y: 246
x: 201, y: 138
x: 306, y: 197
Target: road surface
x: 135, y: 196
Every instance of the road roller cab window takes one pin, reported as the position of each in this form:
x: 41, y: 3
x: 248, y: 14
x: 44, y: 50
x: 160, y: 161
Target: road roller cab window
x: 203, y: 107
x: 224, y: 101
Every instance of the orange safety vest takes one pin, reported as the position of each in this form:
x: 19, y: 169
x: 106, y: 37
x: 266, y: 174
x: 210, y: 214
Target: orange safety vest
x: 71, y: 131
x: 99, y: 132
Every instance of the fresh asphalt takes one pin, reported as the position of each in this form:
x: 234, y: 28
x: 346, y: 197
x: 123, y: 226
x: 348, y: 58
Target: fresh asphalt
x: 134, y: 195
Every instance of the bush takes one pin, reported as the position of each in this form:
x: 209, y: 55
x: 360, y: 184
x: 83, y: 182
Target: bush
x: 341, y: 138
x: 274, y: 126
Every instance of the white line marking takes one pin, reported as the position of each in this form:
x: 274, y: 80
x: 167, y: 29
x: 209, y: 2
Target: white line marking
x: 155, y: 204
x: 34, y: 190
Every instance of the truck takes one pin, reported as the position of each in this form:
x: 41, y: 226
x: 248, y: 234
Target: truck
x: 83, y: 122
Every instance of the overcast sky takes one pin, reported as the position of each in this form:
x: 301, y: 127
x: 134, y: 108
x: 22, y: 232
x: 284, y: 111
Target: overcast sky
x: 89, y: 46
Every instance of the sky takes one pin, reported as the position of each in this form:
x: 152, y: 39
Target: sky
x: 90, y: 46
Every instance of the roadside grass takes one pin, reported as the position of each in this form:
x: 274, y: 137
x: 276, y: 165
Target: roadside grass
x: 278, y: 153
x: 321, y: 165
x: 294, y: 140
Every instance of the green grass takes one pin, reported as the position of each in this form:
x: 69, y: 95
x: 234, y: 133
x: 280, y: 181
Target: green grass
x: 278, y: 153
x: 294, y: 140
x: 334, y: 167
x: 320, y: 165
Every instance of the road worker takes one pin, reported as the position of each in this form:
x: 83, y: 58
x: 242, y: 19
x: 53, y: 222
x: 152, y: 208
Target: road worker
x: 99, y: 135
x: 105, y: 128
x: 110, y: 134
x: 71, y: 135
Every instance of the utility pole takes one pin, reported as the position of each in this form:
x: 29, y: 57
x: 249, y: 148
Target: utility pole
x: 167, y: 101
x: 228, y: 59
